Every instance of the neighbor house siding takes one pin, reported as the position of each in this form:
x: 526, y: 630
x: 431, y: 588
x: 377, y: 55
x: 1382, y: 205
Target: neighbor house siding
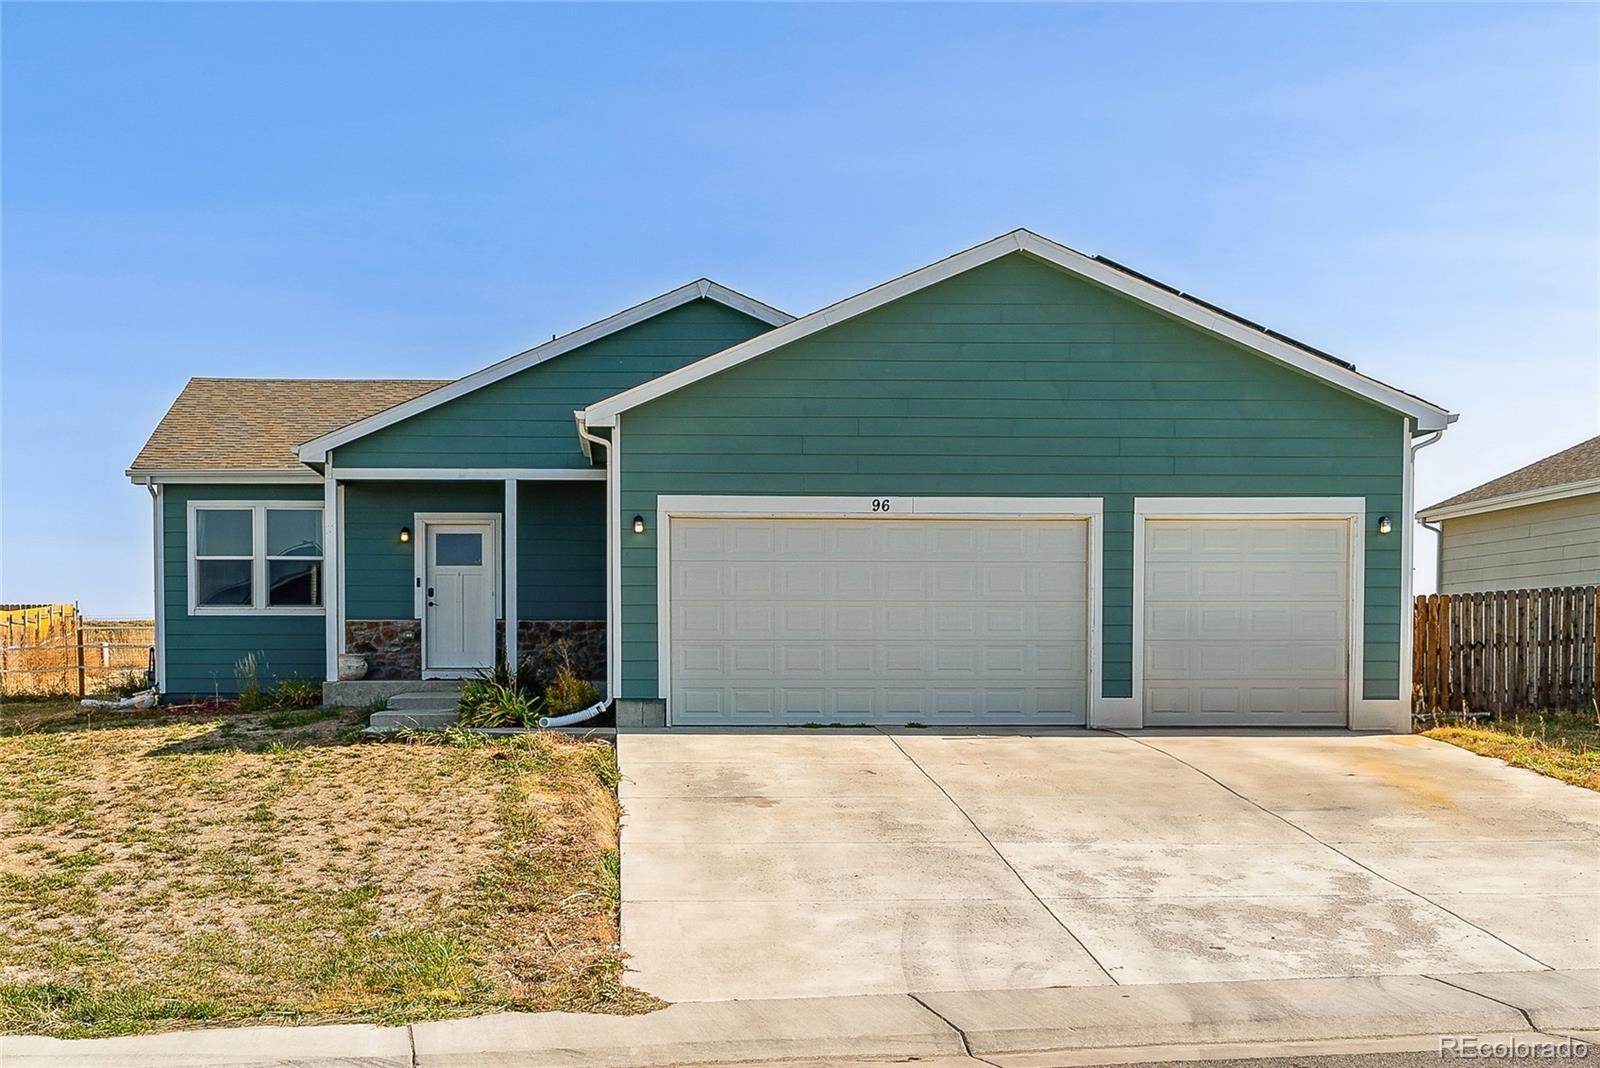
x: 525, y: 420
x: 1015, y: 379
x: 203, y: 652
x: 561, y: 540
x: 1552, y: 544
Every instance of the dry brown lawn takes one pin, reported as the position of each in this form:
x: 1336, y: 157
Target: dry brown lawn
x: 206, y: 868
x: 1562, y: 745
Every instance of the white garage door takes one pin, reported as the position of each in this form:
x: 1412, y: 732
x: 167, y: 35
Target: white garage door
x: 1246, y: 622
x: 878, y: 621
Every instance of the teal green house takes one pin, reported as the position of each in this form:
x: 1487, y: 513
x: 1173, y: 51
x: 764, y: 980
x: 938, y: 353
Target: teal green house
x: 1021, y: 485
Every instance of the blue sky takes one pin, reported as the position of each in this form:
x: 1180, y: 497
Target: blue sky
x: 418, y: 190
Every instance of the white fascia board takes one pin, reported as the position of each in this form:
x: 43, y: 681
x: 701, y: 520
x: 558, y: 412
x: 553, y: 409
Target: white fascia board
x: 219, y: 476
x: 316, y: 450
x: 470, y: 474
x: 1543, y: 495
x: 1428, y: 416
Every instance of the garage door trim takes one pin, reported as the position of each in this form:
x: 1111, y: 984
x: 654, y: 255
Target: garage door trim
x: 887, y: 508
x: 1353, y: 510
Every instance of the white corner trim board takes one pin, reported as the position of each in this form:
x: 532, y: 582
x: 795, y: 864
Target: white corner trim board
x: 1428, y: 416
x: 1353, y: 510
x: 885, y: 508
x: 316, y: 450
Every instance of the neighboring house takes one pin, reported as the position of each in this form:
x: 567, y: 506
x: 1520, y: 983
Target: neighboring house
x: 1019, y: 485
x: 1538, y: 526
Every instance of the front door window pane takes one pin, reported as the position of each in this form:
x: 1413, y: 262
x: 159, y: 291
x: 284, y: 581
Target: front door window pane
x: 458, y: 550
x: 223, y: 532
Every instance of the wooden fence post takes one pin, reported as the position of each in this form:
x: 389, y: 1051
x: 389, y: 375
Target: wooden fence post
x: 82, y: 674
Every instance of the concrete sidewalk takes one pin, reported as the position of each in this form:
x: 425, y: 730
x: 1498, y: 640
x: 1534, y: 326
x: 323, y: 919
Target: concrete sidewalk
x: 1046, y: 1028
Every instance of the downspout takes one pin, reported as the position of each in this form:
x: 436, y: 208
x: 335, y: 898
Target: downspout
x: 581, y: 716
x: 1438, y: 531
x: 589, y: 438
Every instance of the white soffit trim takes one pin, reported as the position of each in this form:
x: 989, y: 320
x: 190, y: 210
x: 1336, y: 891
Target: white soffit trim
x: 1543, y: 495
x: 316, y: 450
x: 1428, y: 416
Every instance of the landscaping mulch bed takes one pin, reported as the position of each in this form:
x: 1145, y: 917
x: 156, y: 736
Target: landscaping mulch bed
x: 194, y: 867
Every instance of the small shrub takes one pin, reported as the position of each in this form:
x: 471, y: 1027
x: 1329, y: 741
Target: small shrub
x: 568, y: 693
x: 501, y: 706
x: 295, y: 693
x: 247, y: 670
x: 497, y: 699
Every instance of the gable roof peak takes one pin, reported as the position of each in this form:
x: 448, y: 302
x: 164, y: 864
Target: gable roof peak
x: 315, y: 451
x: 1097, y: 269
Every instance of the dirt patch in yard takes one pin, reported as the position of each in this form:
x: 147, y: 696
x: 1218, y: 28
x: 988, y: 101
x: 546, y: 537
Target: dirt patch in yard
x: 172, y: 869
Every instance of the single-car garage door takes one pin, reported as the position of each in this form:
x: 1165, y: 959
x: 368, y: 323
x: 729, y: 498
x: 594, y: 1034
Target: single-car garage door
x: 1246, y: 622
x: 878, y: 620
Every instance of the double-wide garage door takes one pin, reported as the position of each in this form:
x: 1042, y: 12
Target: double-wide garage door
x: 878, y: 621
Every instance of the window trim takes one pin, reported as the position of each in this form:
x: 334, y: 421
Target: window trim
x: 258, y: 559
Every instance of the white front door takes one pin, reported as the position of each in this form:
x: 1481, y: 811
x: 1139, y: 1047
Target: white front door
x: 459, y: 613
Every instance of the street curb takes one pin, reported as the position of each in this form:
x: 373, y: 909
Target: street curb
x: 1012, y: 1028
x: 1090, y: 1017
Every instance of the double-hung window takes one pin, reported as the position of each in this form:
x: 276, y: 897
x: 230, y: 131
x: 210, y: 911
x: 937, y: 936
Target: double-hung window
x: 255, y: 557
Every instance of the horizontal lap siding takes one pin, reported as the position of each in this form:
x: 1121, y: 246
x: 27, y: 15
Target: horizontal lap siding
x: 1016, y: 378
x: 560, y: 561
x: 379, y: 569
x: 202, y: 651
x: 526, y: 420
x: 1552, y: 544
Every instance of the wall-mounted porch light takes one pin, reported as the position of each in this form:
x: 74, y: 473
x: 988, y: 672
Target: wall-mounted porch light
x: 405, y: 535
x: 1384, y: 526
x: 638, y: 524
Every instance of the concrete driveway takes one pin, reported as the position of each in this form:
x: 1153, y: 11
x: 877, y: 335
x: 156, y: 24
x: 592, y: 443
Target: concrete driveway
x: 796, y: 863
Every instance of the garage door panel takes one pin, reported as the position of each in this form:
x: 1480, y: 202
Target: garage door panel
x: 1246, y: 622
x: 881, y: 620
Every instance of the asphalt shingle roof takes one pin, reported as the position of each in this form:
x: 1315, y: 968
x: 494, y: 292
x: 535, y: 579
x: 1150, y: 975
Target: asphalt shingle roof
x: 1577, y: 464
x: 246, y: 424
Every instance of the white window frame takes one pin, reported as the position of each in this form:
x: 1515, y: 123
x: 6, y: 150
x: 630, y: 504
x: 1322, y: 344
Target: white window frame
x: 258, y: 558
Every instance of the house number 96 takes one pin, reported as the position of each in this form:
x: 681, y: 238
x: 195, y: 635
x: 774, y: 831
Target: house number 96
x: 880, y: 504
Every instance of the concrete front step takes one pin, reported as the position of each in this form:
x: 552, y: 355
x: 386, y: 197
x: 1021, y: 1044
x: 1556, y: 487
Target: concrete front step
x: 424, y: 702
x: 405, y: 720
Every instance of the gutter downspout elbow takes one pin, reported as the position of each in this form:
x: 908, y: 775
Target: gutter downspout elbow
x: 588, y: 437
x: 581, y: 716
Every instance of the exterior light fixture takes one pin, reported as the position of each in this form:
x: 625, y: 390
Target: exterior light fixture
x: 638, y: 524
x: 1384, y: 526
x: 405, y: 535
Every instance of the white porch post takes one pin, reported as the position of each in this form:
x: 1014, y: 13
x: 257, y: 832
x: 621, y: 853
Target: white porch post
x: 331, y: 567
x: 510, y: 572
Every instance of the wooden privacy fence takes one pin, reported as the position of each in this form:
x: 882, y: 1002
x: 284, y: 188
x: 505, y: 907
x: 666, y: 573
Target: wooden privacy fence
x: 1508, y: 651
x: 53, y: 650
